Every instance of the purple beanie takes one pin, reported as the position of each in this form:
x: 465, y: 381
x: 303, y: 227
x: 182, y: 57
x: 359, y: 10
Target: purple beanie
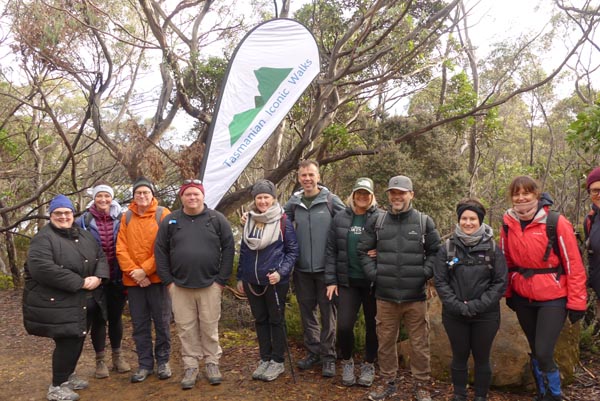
x: 593, y: 176
x: 61, y: 201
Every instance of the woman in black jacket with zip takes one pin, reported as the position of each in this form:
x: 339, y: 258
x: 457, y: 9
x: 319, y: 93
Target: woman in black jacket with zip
x: 65, y: 267
x: 345, y: 279
x: 470, y: 278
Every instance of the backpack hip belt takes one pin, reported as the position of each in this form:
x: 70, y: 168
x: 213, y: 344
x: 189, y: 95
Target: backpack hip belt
x: 530, y: 271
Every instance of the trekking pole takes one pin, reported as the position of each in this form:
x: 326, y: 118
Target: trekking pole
x: 281, y: 314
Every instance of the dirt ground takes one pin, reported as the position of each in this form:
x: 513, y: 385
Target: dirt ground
x: 25, y: 372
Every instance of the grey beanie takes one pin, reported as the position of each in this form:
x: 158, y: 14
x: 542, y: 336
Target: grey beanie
x: 264, y: 187
x: 143, y: 182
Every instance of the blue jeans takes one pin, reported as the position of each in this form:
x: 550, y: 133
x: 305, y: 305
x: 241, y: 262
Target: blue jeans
x: 147, y: 305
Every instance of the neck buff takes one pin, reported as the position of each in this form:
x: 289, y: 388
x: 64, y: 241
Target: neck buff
x: 526, y: 211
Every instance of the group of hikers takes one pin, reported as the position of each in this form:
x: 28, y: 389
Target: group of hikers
x: 80, y: 272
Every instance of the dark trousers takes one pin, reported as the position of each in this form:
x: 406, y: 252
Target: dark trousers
x: 542, y: 326
x: 115, y: 303
x: 311, y: 292
x: 471, y: 335
x: 149, y: 305
x: 269, y: 319
x: 67, y: 350
x: 349, y: 301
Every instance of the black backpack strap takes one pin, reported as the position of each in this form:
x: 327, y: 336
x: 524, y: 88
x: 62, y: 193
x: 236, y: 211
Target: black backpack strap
x: 379, y: 223
x: 330, y: 203
x: 551, y: 223
x: 212, y: 216
x: 451, y: 259
x: 87, y: 219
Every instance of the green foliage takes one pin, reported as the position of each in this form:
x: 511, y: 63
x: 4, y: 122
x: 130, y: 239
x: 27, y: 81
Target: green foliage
x: 7, y: 145
x: 6, y: 282
x: 588, y: 339
x: 292, y: 318
x: 584, y: 132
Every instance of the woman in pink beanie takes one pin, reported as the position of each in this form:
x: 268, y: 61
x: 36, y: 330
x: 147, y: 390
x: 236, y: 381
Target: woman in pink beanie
x: 591, y: 228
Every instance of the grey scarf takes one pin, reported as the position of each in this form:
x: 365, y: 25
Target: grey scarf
x: 483, y: 233
x: 263, y: 229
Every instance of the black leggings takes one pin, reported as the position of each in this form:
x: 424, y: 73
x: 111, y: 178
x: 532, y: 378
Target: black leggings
x: 115, y: 302
x: 349, y: 301
x: 471, y: 335
x: 542, y: 326
x: 67, y: 350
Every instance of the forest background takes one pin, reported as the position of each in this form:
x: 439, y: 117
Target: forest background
x: 117, y: 89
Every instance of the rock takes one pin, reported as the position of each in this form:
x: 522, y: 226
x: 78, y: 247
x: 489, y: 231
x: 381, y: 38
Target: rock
x: 510, y: 351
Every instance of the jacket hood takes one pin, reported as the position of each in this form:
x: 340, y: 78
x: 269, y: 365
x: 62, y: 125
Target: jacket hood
x: 151, y: 209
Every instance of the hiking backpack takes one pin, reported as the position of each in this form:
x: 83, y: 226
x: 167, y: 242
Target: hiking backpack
x: 422, y: 222
x: 293, y: 207
x: 158, y: 215
x: 452, y: 260
x: 551, y: 223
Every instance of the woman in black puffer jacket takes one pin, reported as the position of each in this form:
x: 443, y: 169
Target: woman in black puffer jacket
x: 345, y: 278
x: 64, y: 268
x: 470, y: 277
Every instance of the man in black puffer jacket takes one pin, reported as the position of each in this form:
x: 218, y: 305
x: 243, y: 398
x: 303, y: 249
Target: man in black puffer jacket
x: 406, y: 241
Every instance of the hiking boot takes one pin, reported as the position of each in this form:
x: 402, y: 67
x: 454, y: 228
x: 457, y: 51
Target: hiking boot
x: 190, y: 376
x: 213, y: 374
x: 551, y: 397
x: 76, y: 383
x: 119, y: 362
x: 164, y: 371
x: 383, y: 391
x: 348, y: 377
x: 367, y: 374
x: 328, y: 367
x: 308, y: 362
x: 140, y: 375
x: 260, y: 370
x: 421, y: 393
x: 61, y: 393
x: 101, y: 368
x: 274, y: 370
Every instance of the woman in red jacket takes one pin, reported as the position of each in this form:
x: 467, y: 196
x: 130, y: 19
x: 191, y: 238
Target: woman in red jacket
x: 543, y: 289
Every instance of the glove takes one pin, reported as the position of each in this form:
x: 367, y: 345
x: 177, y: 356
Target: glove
x: 575, y: 315
x: 464, y: 310
x: 510, y: 302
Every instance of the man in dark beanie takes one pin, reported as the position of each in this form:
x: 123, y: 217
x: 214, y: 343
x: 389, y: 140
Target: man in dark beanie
x: 149, y: 301
x: 194, y: 258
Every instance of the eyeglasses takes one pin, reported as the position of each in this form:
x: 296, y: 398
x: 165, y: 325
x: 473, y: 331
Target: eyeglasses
x: 594, y: 191
x: 63, y: 214
x: 194, y: 181
x: 142, y: 193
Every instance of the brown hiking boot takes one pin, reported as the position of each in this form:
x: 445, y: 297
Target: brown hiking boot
x: 101, y: 368
x: 119, y: 362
